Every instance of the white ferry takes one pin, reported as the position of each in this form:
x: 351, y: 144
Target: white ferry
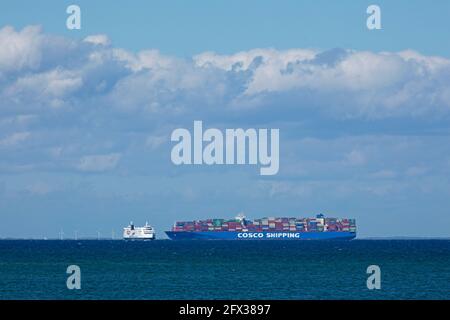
x: 138, y: 233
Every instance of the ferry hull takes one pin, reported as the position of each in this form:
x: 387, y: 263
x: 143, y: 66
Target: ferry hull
x: 264, y: 235
x: 139, y: 239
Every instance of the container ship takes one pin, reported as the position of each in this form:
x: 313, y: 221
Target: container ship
x: 138, y: 233
x: 318, y: 228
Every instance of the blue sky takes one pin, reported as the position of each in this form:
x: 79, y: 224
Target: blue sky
x: 86, y: 116
x: 185, y: 28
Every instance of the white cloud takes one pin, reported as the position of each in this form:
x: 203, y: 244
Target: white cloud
x: 39, y: 188
x: 346, y: 82
x: 284, y: 188
x: 46, y: 90
x: 356, y: 158
x: 244, y: 60
x: 100, y: 39
x: 416, y: 171
x: 99, y: 163
x: 384, y: 174
x: 52, y: 84
x: 20, y: 49
x: 14, y: 139
x: 21, y: 120
x: 153, y: 142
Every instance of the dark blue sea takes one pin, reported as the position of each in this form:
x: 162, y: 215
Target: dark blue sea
x: 164, y: 269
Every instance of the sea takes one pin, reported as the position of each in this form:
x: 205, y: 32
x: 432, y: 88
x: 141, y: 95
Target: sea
x: 275, y: 270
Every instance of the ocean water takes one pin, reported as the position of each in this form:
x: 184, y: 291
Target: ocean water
x: 164, y: 269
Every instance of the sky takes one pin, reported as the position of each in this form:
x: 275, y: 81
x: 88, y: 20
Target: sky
x: 86, y: 115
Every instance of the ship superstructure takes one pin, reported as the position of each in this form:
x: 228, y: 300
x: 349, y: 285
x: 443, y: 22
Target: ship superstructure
x: 138, y: 233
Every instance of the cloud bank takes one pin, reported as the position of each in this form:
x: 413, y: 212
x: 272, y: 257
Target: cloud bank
x: 40, y: 71
x: 88, y: 97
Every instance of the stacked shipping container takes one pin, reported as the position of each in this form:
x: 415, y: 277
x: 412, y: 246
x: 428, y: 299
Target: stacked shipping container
x: 318, y: 224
